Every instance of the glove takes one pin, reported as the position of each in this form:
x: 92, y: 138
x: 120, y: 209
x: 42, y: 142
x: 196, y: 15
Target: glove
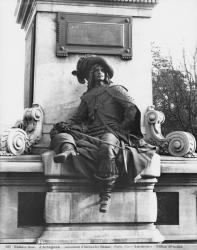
x: 60, y: 127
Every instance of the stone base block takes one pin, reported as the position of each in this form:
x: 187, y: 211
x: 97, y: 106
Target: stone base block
x: 83, y: 207
x: 72, y: 214
x: 100, y: 234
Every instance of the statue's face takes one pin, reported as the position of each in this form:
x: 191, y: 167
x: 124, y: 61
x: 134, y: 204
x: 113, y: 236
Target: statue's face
x: 99, y: 74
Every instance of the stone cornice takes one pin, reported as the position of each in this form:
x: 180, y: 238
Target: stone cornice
x: 24, y: 8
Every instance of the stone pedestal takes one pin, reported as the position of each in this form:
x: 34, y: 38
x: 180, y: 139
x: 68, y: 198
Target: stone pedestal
x: 72, y: 210
x: 22, y: 199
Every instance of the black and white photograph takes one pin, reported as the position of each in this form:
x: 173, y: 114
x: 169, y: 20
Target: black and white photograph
x: 98, y: 124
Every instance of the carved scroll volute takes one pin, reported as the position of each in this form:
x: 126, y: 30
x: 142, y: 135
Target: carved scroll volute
x: 181, y: 144
x: 13, y: 142
x: 153, y: 120
x: 177, y: 143
x: 25, y: 133
x: 32, y: 123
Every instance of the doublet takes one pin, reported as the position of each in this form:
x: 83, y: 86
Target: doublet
x: 107, y: 108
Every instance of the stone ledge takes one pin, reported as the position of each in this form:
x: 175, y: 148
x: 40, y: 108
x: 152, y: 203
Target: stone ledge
x: 63, y: 235
x: 22, y: 163
x: 33, y: 163
x: 170, y: 164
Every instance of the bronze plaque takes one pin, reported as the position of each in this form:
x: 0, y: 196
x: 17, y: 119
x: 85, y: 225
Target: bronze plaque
x: 93, y: 34
x: 96, y: 34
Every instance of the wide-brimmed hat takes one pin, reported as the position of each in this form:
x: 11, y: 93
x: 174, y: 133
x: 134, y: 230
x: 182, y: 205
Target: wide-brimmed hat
x: 85, y: 64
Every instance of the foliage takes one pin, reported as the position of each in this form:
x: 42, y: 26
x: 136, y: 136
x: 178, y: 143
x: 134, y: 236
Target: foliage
x: 175, y: 92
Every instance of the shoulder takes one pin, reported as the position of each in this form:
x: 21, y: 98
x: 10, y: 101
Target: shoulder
x: 86, y: 95
x: 120, y: 92
x: 117, y: 88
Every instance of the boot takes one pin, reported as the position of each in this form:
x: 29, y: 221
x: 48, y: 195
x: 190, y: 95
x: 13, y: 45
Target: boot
x: 106, y: 178
x: 107, y: 185
x: 104, y: 203
x: 67, y: 150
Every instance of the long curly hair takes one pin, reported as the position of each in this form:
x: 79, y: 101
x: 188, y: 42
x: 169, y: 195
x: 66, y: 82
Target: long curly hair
x: 91, y: 79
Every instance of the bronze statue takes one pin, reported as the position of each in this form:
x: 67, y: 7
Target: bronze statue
x: 104, y: 135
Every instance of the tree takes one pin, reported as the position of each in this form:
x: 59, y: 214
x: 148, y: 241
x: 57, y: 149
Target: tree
x: 175, y: 92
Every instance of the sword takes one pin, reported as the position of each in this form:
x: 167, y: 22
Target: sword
x: 124, y: 155
x: 99, y: 140
x: 122, y: 147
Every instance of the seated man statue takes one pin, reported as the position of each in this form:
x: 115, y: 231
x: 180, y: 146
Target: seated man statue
x: 104, y: 135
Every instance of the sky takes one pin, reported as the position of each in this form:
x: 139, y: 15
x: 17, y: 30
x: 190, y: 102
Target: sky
x: 173, y: 28
x: 12, y: 54
x: 174, y: 25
